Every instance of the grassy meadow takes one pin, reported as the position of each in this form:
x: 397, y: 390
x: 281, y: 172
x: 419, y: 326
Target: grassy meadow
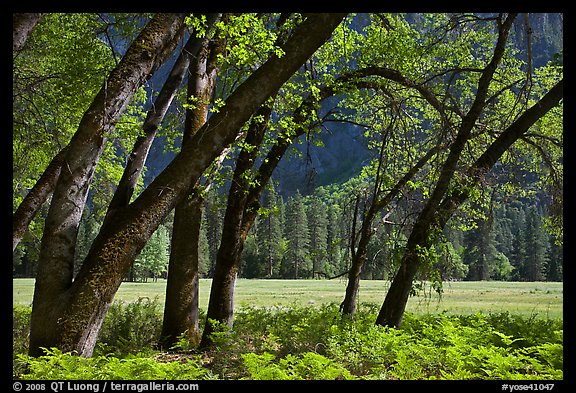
x: 544, y: 299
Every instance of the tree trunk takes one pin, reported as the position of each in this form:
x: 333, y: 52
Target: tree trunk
x: 242, y: 210
x: 154, y: 117
x: 234, y: 232
x: 394, y: 304
x: 22, y: 27
x: 116, y: 246
x: 55, y: 267
x: 348, y: 306
x: 36, y: 197
x: 181, y: 306
x: 240, y: 214
x: 45, y: 185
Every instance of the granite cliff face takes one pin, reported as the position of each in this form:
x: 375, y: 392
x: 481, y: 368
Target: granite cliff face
x: 342, y: 154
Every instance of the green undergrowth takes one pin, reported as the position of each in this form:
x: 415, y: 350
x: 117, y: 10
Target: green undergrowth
x: 310, y: 342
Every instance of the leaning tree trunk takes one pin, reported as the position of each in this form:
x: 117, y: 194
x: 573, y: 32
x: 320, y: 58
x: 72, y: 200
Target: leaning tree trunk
x: 394, y: 304
x: 221, y: 302
x: 56, y: 262
x: 36, y: 197
x: 87, y: 300
x: 181, y: 306
x: 239, y: 217
x: 137, y: 158
x: 396, y: 299
x: 348, y: 305
x: 242, y: 210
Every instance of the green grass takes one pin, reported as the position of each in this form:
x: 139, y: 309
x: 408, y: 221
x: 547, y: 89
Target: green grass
x: 464, y: 297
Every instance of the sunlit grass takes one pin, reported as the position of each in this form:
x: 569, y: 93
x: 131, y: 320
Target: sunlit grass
x: 544, y: 299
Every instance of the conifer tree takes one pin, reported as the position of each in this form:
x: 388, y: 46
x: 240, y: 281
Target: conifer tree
x: 503, y: 230
x: 317, y: 226
x: 554, y: 269
x: 213, y: 216
x: 296, y: 263
x: 517, y: 252
x: 535, y: 244
x: 334, y: 241
x: 269, y: 232
x: 203, y: 252
x: 153, y: 259
x: 87, y: 231
x: 480, y: 251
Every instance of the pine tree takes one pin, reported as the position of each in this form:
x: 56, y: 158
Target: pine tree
x: 153, y: 259
x: 374, y: 267
x: 480, y: 250
x: 554, y: 271
x: 535, y: 241
x: 269, y: 233
x: 251, y: 265
x: 87, y: 231
x: 203, y: 252
x: 213, y: 216
x: 503, y: 232
x: 317, y: 225
x: 518, y: 251
x: 296, y: 263
x: 334, y: 241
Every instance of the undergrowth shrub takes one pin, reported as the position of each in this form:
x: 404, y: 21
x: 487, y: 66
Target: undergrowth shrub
x: 308, y: 365
x: 294, y: 329
x: 472, y: 347
x: 57, y: 365
x: 20, y: 336
x: 131, y: 327
x: 314, y: 342
x: 20, y: 328
x: 528, y: 331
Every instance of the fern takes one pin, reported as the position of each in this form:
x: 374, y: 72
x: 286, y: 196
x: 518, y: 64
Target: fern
x: 308, y: 365
x: 315, y: 343
x: 58, y: 366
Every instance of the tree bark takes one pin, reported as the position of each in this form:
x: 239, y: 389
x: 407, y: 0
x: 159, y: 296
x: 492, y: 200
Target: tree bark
x: 182, y: 286
x: 397, y: 297
x: 182, y: 291
x: 36, y: 197
x: 154, y: 117
x: 115, y: 247
x: 394, y: 304
x: 234, y: 232
x: 55, y: 268
x: 22, y: 27
x: 44, y: 187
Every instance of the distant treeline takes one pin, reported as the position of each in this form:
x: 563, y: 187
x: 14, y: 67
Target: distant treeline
x: 310, y: 237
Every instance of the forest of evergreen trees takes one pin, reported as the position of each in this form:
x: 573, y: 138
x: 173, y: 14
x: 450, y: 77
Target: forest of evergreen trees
x: 310, y: 237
